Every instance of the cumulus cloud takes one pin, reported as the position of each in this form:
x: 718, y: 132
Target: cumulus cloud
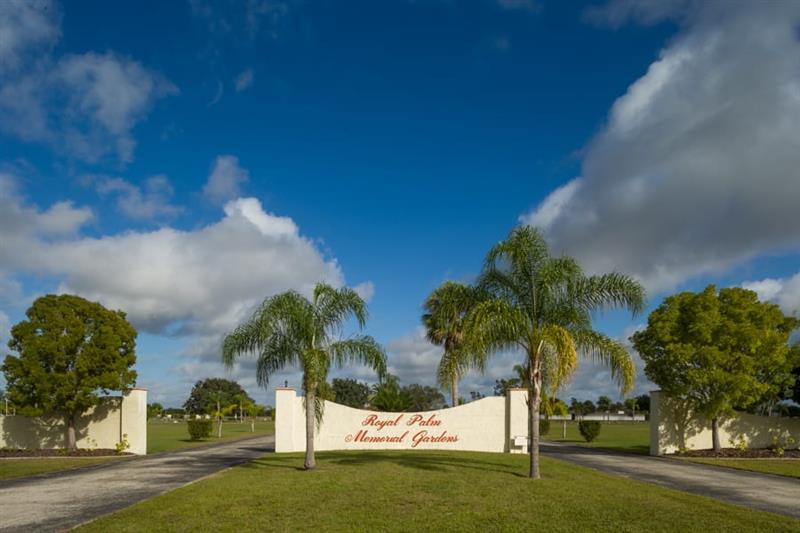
x: 84, y: 105
x: 225, y: 180
x: 696, y: 169
x: 151, y: 201
x: 27, y: 27
x: 195, y: 285
x: 244, y: 80
x: 783, y: 291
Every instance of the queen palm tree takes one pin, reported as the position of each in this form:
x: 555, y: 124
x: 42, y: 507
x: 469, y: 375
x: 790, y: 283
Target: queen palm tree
x: 445, y: 310
x: 542, y: 305
x: 288, y: 329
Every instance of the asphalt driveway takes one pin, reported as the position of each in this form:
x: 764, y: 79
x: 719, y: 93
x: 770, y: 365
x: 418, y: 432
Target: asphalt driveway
x: 67, y: 499
x: 767, y: 492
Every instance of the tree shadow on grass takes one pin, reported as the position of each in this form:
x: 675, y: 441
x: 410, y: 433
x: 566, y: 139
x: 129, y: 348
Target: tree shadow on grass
x: 426, y: 461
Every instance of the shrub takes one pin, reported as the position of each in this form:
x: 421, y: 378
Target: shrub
x: 589, y: 429
x: 544, y: 426
x: 199, y: 429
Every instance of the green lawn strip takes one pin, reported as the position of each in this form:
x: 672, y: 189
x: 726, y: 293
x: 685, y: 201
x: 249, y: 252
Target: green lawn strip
x: 164, y: 436
x: 781, y: 467
x: 11, y: 468
x: 630, y: 437
x: 429, y: 491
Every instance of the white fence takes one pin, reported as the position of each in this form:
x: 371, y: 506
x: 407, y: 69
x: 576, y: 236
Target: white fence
x: 490, y: 425
x: 674, y: 427
x: 115, y: 419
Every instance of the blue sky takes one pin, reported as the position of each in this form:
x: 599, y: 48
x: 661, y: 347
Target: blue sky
x: 183, y: 160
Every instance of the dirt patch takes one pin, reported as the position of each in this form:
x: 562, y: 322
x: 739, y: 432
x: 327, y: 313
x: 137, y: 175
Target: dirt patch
x: 735, y: 453
x: 98, y: 452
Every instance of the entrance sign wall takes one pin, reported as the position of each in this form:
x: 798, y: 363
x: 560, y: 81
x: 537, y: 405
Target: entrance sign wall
x: 674, y: 427
x: 491, y: 424
x: 115, y: 419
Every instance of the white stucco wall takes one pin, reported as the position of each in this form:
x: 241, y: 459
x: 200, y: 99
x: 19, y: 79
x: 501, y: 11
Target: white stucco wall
x: 484, y: 425
x: 101, y: 427
x: 673, y: 426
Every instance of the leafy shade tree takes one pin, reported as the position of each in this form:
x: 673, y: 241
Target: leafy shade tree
x: 154, y: 410
x: 69, y: 350
x: 542, y: 305
x: 424, y: 398
x: 604, y: 403
x: 718, y: 351
x: 643, y: 403
x: 501, y: 386
x: 351, y: 392
x: 445, y: 310
x: 389, y: 396
x: 207, y: 392
x: 288, y: 329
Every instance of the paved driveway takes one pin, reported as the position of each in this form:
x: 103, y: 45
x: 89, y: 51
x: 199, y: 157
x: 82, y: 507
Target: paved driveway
x: 67, y: 499
x: 761, y: 491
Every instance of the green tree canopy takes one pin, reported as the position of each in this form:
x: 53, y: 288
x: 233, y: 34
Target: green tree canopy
x: 351, y: 392
x: 69, y: 350
x: 719, y: 351
x: 542, y: 306
x: 289, y: 329
x: 207, y: 392
x: 604, y: 403
x: 424, y: 397
x: 388, y: 395
x: 446, y: 309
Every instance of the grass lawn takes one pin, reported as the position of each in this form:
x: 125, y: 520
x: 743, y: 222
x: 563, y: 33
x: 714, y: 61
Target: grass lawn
x: 168, y: 435
x: 10, y: 468
x: 632, y: 437
x: 429, y: 491
x: 782, y: 467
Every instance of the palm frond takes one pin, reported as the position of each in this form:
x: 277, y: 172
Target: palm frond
x: 611, y: 353
x: 361, y: 349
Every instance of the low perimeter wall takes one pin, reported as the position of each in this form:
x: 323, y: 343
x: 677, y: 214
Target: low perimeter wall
x: 101, y: 427
x: 488, y: 425
x: 673, y: 427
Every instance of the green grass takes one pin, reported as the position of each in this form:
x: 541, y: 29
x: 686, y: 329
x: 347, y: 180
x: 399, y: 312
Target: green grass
x: 782, y: 467
x: 167, y: 435
x: 429, y: 491
x: 11, y: 468
x: 631, y: 437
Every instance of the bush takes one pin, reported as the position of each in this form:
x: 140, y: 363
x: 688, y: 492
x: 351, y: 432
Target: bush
x: 589, y: 429
x: 199, y: 429
x: 544, y: 426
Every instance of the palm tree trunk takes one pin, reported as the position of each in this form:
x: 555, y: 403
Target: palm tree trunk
x: 535, y: 396
x: 454, y: 391
x: 310, y: 463
x: 71, y: 438
x: 715, y: 434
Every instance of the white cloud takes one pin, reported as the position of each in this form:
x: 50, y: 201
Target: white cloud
x: 366, y: 290
x: 617, y: 12
x: 785, y: 292
x: 26, y: 27
x: 83, y: 105
x: 697, y: 167
x: 196, y: 285
x: 244, y: 80
x: 149, y: 202
x: 225, y: 180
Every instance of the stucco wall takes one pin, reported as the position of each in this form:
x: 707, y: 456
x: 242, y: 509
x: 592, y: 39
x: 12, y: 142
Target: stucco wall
x: 673, y: 426
x: 101, y: 427
x: 488, y: 425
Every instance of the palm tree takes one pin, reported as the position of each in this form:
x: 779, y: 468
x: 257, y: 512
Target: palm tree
x: 445, y: 310
x: 542, y: 305
x: 288, y: 329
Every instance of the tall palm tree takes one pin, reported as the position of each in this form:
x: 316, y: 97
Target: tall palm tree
x: 445, y: 310
x: 542, y: 305
x: 288, y: 329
